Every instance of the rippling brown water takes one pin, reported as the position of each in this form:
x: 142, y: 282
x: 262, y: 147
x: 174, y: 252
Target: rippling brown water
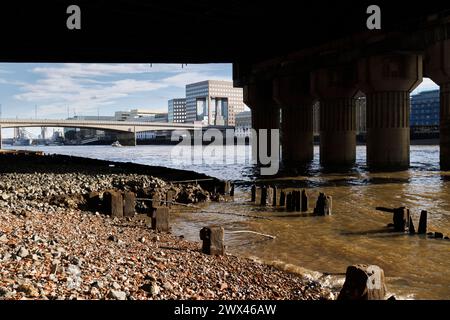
x: 415, y: 267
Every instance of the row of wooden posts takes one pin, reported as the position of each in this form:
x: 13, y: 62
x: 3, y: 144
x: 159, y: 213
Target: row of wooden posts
x: 403, y: 222
x: 120, y: 204
x: 291, y: 200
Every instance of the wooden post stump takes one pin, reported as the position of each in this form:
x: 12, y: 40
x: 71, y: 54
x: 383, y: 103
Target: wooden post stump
x: 276, y: 197
x: 304, y: 201
x: 363, y: 282
x: 324, y: 205
x: 289, y: 204
x: 129, y: 204
x: 232, y: 190
x: 156, y: 201
x: 226, y: 187
x: 423, y: 222
x: 113, y: 201
x: 401, y: 219
x: 282, y: 198
x: 298, y: 200
x: 253, y: 199
x: 93, y: 201
x: 270, y: 196
x: 170, y: 197
x: 160, y: 219
x: 263, y: 196
x: 412, y: 230
x: 213, y: 240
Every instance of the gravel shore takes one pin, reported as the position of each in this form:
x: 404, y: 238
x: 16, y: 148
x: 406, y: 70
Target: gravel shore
x: 52, y: 248
x: 69, y: 254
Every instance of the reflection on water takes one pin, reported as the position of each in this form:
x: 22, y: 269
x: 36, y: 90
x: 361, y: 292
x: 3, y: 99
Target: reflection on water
x: 415, y: 266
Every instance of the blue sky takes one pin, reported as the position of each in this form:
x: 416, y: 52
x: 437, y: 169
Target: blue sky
x: 105, y: 88
x: 88, y: 88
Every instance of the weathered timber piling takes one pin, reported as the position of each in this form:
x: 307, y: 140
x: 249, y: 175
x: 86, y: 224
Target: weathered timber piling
x: 304, y: 201
x: 270, y: 193
x: 438, y: 235
x: 253, y: 199
x: 401, y: 219
x: 412, y: 230
x: 129, y: 204
x: 276, y: 197
x: 227, y: 187
x: 363, y: 282
x: 423, y: 222
x: 289, y: 202
x: 297, y: 200
x: 263, y: 198
x: 324, y: 205
x: 170, y: 198
x: 282, y: 198
x: 232, y: 190
x: 156, y: 201
x: 213, y: 240
x: 93, y: 201
x: 160, y: 219
x: 113, y: 203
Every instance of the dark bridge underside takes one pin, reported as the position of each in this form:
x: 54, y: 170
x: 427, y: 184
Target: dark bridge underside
x: 197, y: 31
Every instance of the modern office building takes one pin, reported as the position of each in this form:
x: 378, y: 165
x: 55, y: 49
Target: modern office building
x: 425, y: 109
x: 243, y: 124
x: 140, y: 115
x: 213, y: 102
x: 177, y: 110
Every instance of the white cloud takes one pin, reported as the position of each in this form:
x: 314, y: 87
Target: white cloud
x: 427, y: 84
x: 86, y: 87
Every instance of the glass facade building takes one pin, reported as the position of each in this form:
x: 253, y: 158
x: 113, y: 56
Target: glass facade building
x: 425, y: 109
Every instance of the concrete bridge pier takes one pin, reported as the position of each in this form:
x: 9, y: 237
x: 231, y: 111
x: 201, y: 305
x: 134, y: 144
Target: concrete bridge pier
x: 297, y: 140
x: 336, y: 89
x: 265, y: 114
x: 388, y: 81
x: 437, y: 67
x: 127, y: 139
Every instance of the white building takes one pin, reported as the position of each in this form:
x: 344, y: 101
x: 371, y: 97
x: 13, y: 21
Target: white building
x: 213, y: 102
x: 140, y: 115
x: 177, y: 110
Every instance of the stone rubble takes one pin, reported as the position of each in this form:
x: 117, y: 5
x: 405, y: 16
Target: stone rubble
x: 68, y: 254
x: 52, y: 248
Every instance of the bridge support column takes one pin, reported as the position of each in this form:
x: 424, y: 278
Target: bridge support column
x: 127, y: 139
x: 338, y: 131
x: 293, y: 96
x: 265, y: 115
x: 388, y: 81
x: 336, y: 88
x: 437, y: 67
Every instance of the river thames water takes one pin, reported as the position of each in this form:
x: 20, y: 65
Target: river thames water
x: 415, y: 267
